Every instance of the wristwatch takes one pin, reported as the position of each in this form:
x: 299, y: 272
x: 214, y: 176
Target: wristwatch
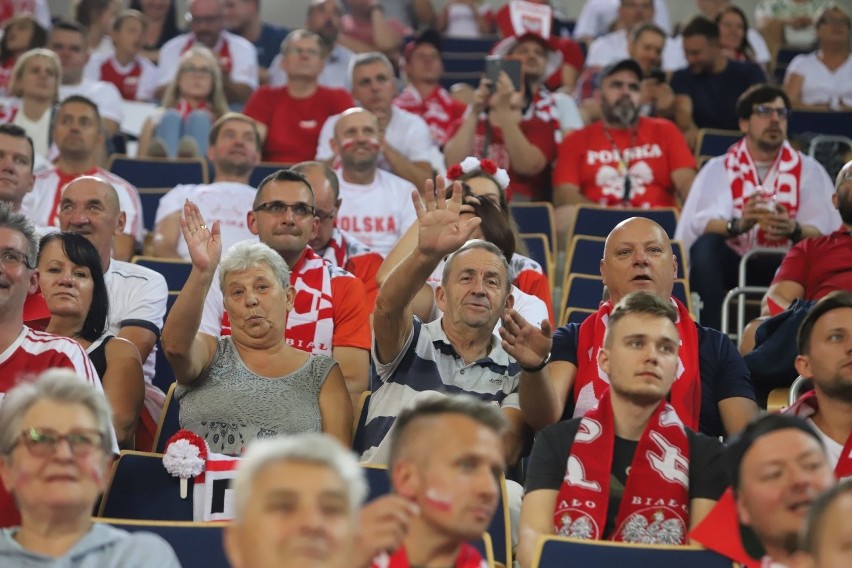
x: 538, y: 368
x: 733, y: 227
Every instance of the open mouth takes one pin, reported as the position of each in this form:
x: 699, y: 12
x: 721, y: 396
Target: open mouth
x: 641, y: 278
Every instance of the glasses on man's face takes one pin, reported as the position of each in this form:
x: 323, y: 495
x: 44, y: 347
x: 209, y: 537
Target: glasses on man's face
x: 194, y: 69
x: 12, y: 258
x: 42, y: 442
x: 310, y: 51
x: 299, y: 209
x: 765, y: 111
x: 324, y: 215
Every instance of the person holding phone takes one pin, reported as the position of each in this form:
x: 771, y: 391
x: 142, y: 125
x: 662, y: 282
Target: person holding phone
x: 514, y: 123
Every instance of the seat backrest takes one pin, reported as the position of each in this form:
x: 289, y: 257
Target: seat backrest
x: 680, y: 290
x: 264, y: 169
x: 584, y: 255
x: 557, y: 552
x: 597, y: 221
x: 195, y: 544
x: 164, y: 376
x: 715, y: 142
x: 582, y: 291
x: 538, y: 247
x: 169, y: 422
x: 150, y: 199
x: 158, y: 172
x: 575, y: 315
x: 140, y: 488
x: 174, y: 271
x: 499, y: 529
x: 838, y: 123
x: 536, y: 217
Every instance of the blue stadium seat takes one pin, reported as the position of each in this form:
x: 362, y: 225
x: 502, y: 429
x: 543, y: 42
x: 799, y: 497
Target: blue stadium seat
x: 820, y: 122
x: 586, y: 292
x: 536, y: 217
x: 262, y: 170
x: 715, y: 142
x: 597, y: 221
x: 585, y: 253
x: 538, y: 247
x: 575, y: 315
x: 158, y: 172
x: 195, y: 544
x: 163, y: 374
x: 174, y: 271
x: 169, y: 423
x: 150, y: 198
x: 558, y: 552
x: 140, y: 488
x: 481, y: 45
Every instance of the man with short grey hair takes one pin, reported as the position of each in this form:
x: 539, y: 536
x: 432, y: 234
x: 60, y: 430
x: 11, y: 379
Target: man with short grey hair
x: 290, y: 117
x: 457, y: 353
x: 409, y: 151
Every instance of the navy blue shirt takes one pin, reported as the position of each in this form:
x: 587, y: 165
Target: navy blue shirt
x: 723, y: 372
x: 714, y: 96
x: 268, y: 45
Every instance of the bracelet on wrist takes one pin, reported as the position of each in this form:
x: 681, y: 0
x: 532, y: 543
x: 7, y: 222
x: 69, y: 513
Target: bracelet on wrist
x: 537, y: 368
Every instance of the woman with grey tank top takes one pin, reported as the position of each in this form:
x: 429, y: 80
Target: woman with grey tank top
x: 251, y: 384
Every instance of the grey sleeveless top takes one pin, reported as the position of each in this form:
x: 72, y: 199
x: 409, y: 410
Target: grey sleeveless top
x: 229, y: 405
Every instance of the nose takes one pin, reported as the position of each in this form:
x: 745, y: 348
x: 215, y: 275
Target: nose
x: 312, y: 519
x: 62, y: 450
x: 639, y: 257
x: 487, y: 484
x: 64, y: 278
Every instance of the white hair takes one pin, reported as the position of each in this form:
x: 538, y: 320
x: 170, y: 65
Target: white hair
x: 251, y: 254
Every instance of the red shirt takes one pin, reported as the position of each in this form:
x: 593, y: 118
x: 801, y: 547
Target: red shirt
x: 440, y: 110
x: 820, y: 264
x: 587, y: 158
x: 294, y: 125
x: 127, y: 83
x: 468, y: 557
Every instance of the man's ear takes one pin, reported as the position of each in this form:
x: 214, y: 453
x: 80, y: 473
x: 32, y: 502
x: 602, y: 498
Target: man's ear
x: 120, y: 222
x: 440, y: 298
x: 405, y: 479
x: 603, y: 360
x: 803, y: 366
x: 251, y: 222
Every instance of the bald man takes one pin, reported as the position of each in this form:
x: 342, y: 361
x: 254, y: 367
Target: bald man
x: 376, y: 207
x: 638, y: 255
x: 137, y: 295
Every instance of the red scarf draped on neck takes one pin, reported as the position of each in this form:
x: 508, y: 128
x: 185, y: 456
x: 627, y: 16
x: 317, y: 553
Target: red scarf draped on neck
x: 655, y: 505
x: 591, y: 381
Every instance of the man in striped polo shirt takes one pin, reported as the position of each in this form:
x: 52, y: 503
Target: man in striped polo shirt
x: 457, y: 353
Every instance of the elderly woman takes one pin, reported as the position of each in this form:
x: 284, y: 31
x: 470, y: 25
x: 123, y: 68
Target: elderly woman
x: 251, y: 384
x: 35, y: 88
x: 54, y: 458
x: 72, y: 283
x: 823, y: 79
x: 193, y: 101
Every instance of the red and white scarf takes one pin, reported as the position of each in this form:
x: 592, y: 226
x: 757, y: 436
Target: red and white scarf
x: 222, y: 51
x: 806, y: 406
x: 783, y: 182
x: 468, y: 557
x: 341, y: 248
x: 592, y: 381
x: 310, y: 324
x: 655, y: 504
x: 184, y: 107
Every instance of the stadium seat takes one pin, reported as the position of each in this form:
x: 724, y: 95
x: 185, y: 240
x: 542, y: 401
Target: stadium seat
x: 478, y: 45
x: 715, y: 142
x: 538, y: 247
x: 173, y: 270
x: 164, y: 376
x: 575, y: 315
x: 819, y: 122
x: 195, y: 544
x: 263, y: 169
x: 536, y: 217
x: 585, y: 253
x: 598, y: 221
x: 586, y: 292
x: 485, y: 548
x: 558, y: 552
x: 158, y: 172
x: 498, y: 530
x: 140, y: 488
x: 150, y: 198
x: 169, y: 422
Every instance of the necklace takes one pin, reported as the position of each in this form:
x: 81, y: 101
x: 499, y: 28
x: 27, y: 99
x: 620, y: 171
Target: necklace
x: 623, y: 160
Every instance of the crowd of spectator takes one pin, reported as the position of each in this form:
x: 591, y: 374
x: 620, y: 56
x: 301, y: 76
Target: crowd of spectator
x: 374, y: 291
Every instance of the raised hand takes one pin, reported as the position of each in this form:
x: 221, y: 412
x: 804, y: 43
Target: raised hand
x: 383, y: 525
x: 441, y: 231
x: 204, y: 244
x: 524, y: 342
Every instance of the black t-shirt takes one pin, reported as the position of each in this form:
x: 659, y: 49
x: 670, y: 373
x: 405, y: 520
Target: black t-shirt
x: 723, y: 372
x: 548, y: 461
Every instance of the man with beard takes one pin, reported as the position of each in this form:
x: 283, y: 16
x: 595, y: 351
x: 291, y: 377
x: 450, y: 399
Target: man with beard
x: 707, y: 90
x: 675, y: 474
x: 814, y: 267
x: 775, y: 197
x: 825, y: 357
x: 324, y: 20
x: 376, y: 208
x: 234, y: 150
x: 622, y: 159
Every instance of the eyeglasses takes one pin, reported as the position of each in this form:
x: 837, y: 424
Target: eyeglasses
x: 13, y: 258
x: 304, y: 51
x: 765, y: 111
x: 194, y: 69
x: 325, y: 215
x: 42, y: 442
x: 299, y: 209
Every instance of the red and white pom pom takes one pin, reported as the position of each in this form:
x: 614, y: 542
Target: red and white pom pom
x: 185, y: 457
x: 473, y: 164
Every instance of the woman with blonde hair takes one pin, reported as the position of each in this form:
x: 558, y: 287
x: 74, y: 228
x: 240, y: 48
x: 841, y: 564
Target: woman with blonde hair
x: 191, y: 104
x: 35, y: 92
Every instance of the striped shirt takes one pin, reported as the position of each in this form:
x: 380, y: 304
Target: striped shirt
x: 429, y: 362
